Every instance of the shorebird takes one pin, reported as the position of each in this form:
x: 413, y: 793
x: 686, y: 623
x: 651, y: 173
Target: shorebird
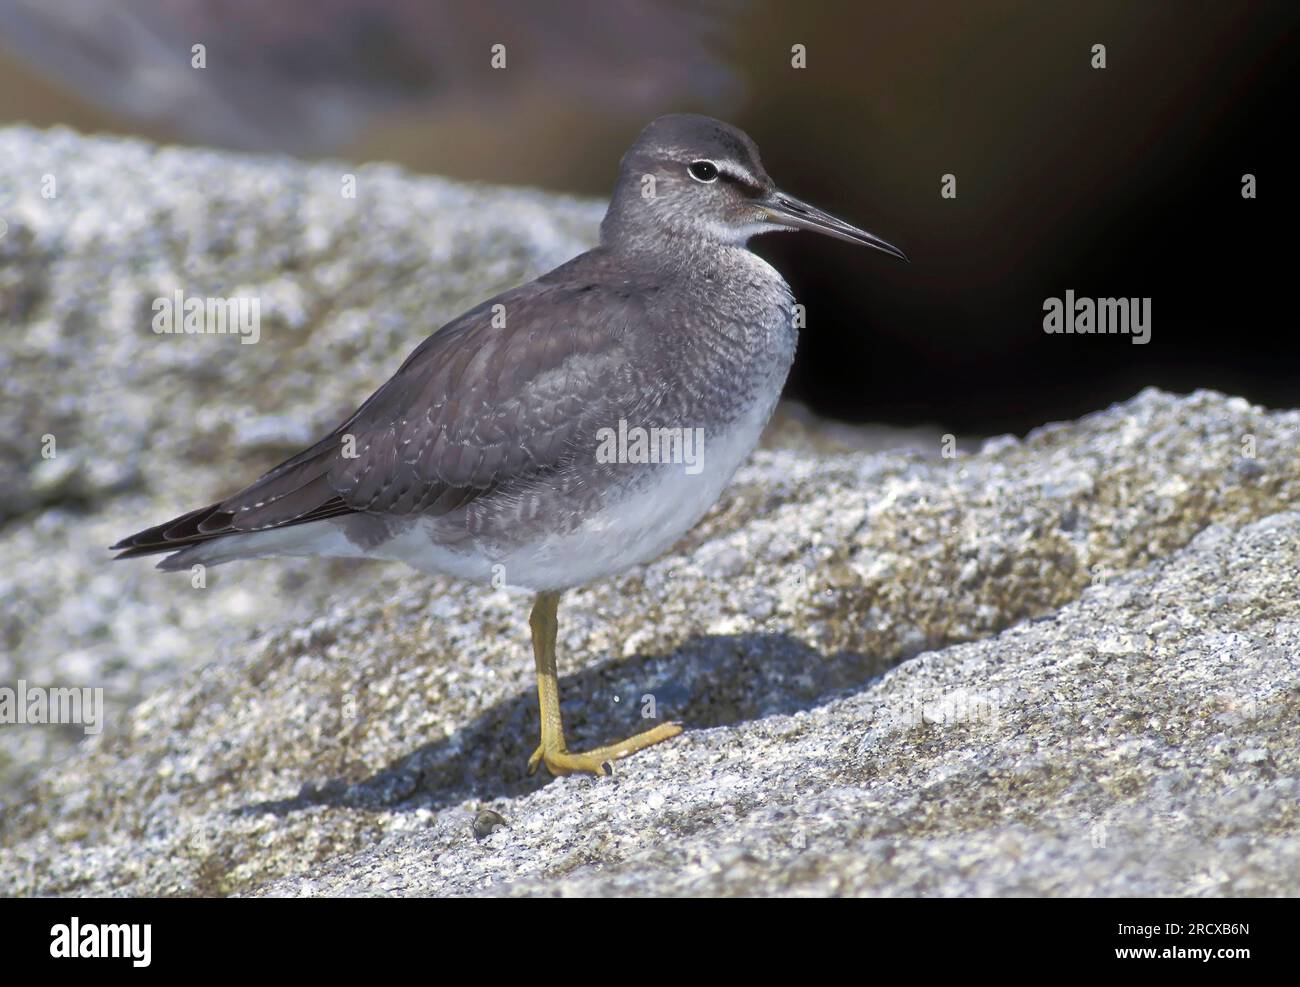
x: 565, y: 430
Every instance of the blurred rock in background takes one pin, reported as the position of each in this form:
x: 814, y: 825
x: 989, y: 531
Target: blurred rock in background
x: 1123, y: 181
x: 313, y: 76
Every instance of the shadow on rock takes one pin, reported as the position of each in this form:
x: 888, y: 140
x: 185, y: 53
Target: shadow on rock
x: 710, y: 681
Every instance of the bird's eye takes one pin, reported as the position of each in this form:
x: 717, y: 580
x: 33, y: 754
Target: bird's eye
x: 703, y: 171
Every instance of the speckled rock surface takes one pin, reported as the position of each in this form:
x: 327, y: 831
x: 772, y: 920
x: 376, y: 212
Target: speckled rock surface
x: 146, y: 425
x: 1142, y: 741
x: 1063, y: 665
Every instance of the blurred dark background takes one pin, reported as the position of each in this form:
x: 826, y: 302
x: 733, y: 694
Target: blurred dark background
x: 1124, y: 181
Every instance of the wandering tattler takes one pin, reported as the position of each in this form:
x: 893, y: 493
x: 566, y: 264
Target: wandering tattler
x: 567, y: 429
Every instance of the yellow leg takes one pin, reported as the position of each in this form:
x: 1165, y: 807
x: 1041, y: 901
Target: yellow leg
x: 552, y: 750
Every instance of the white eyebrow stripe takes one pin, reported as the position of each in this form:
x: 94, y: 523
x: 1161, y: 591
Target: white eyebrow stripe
x: 739, y: 174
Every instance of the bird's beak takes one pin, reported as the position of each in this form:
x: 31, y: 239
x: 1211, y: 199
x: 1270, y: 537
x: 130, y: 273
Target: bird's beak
x: 786, y: 210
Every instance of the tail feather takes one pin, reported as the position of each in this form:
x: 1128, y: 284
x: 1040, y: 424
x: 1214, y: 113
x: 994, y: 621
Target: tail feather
x: 165, y: 537
x: 267, y: 504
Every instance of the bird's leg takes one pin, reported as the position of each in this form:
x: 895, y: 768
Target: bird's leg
x: 552, y: 750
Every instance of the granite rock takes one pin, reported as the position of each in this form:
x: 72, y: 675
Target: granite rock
x: 1063, y: 664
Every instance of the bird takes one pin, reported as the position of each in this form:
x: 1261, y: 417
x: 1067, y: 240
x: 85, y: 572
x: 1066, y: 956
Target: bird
x: 568, y: 429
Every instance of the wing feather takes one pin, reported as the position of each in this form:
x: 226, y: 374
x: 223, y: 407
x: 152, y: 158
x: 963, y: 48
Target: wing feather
x: 475, y: 407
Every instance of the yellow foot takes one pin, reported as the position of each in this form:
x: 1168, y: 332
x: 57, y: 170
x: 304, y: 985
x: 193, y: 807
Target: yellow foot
x: 561, y: 762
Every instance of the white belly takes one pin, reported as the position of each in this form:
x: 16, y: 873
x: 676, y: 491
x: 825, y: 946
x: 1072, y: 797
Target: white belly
x: 635, y: 529
x: 641, y: 526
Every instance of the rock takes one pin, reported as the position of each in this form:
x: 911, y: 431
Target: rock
x: 1063, y: 664
x: 145, y: 426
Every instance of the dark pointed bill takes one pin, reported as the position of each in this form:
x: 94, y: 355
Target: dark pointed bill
x: 799, y: 215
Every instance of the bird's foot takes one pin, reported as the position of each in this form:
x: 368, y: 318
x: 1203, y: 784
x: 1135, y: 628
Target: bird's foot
x: 561, y: 762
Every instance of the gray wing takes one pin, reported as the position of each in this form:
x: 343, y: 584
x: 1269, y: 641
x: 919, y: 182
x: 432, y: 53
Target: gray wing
x: 475, y: 407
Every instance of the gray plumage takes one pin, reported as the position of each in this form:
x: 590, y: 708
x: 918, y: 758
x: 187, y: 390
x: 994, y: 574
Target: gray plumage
x: 487, y: 435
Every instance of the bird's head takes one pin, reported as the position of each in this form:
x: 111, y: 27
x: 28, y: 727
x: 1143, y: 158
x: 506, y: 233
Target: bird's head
x: 691, y: 177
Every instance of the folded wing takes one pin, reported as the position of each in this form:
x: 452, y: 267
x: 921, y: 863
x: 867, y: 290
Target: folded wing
x: 510, y: 390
